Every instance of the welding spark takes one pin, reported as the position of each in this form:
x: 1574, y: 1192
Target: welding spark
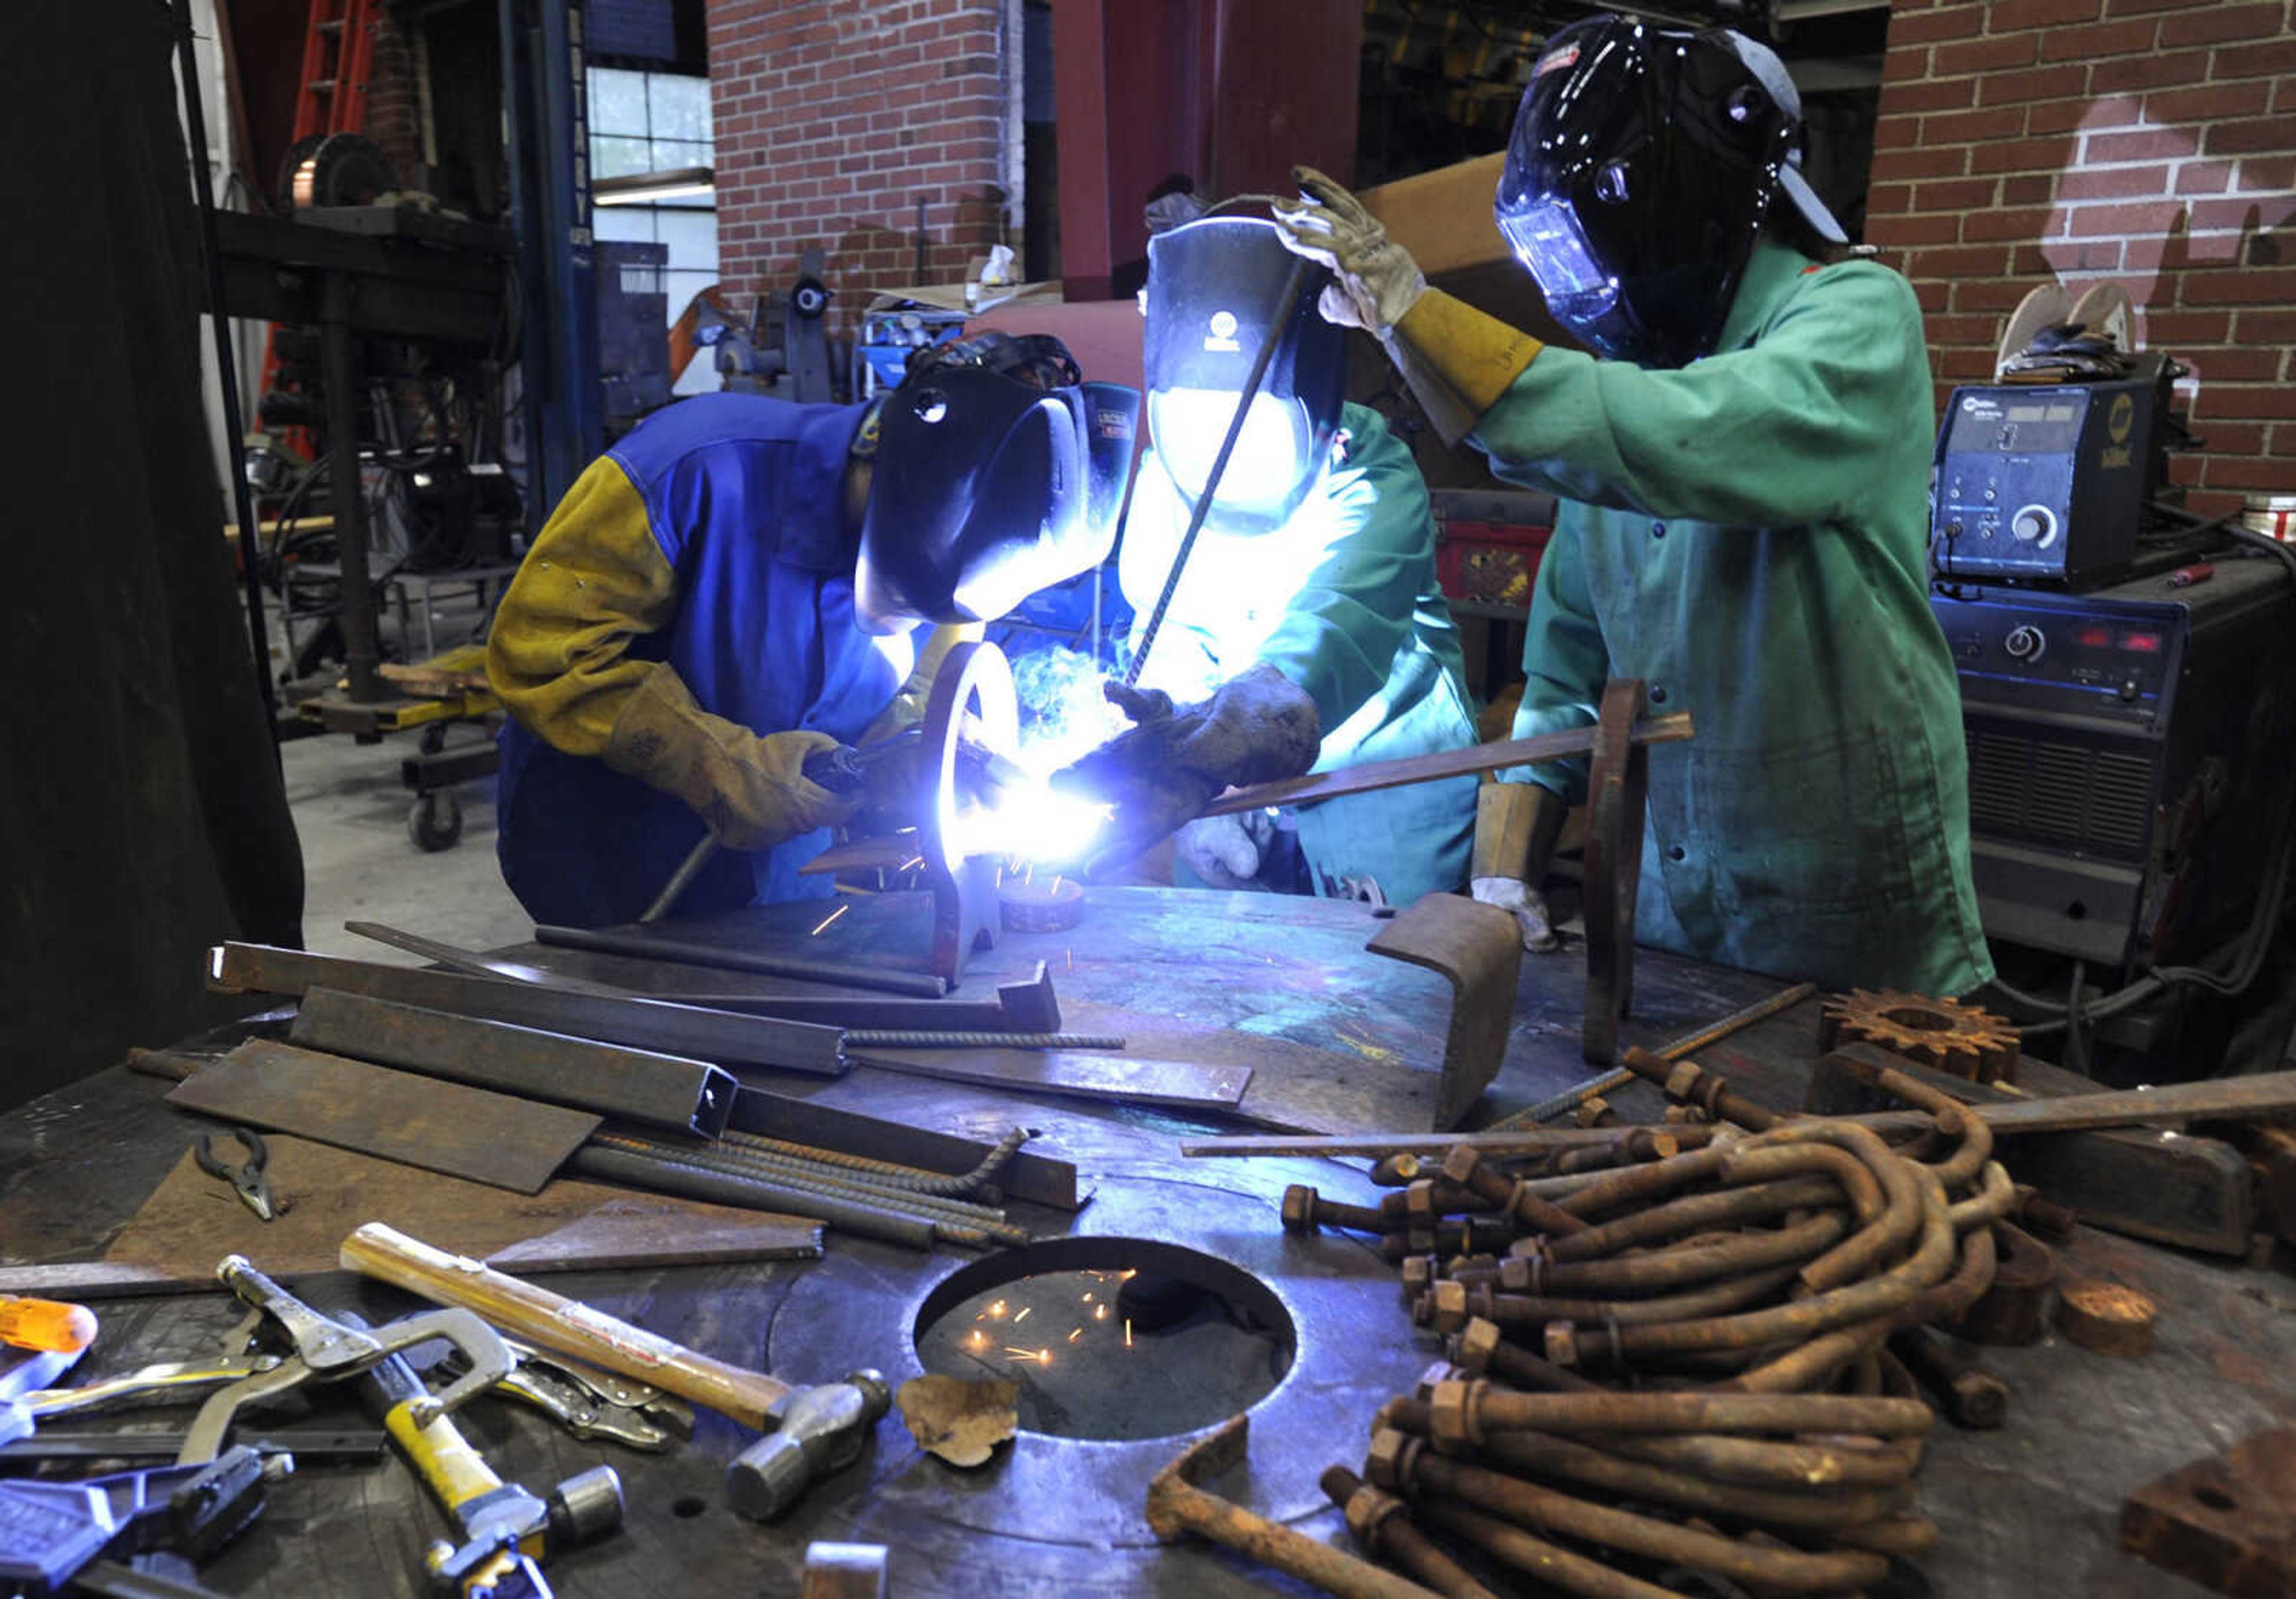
x: 1087, y: 1298
x: 1100, y: 1313
x: 1023, y: 1315
x: 1127, y: 1332
x: 833, y: 917
x: 996, y: 1312
x: 1075, y: 1334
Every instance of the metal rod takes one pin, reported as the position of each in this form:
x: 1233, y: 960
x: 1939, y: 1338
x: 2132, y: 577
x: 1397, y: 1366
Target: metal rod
x: 1294, y: 282
x: 682, y: 952
x: 679, y: 881
x: 774, y: 1169
x: 1570, y: 1099
x: 455, y: 958
x: 877, y: 1038
x: 694, y: 1182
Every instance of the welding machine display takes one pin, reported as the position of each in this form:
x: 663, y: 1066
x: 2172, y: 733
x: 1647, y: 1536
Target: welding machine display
x: 2046, y: 484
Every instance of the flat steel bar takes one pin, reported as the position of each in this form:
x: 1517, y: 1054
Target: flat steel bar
x: 659, y: 1090
x: 683, y: 952
x: 1449, y: 763
x: 684, y: 1030
x: 455, y: 958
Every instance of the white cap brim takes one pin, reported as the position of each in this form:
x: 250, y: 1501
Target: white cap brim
x: 1806, y: 201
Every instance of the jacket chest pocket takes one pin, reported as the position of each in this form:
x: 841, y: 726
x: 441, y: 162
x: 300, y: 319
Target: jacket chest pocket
x: 1805, y: 830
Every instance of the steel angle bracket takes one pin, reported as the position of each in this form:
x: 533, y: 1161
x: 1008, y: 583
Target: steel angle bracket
x: 1478, y: 949
x: 1618, y: 787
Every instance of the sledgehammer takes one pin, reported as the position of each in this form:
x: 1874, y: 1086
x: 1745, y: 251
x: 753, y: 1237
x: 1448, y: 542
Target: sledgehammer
x: 810, y: 1431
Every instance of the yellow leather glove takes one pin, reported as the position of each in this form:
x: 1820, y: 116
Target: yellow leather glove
x: 750, y: 789
x: 1516, y: 826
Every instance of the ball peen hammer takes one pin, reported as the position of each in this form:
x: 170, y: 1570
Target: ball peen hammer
x: 810, y: 1431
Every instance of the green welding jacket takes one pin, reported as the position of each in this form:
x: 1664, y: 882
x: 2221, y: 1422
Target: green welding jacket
x: 1748, y: 535
x: 1343, y: 600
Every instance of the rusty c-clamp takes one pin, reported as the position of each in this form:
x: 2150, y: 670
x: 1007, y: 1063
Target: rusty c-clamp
x: 326, y: 1350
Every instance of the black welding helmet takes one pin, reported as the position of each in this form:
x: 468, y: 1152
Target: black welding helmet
x: 1641, y: 164
x: 996, y: 471
x: 1214, y: 286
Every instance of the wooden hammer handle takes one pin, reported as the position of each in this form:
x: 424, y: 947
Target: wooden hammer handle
x: 566, y: 1326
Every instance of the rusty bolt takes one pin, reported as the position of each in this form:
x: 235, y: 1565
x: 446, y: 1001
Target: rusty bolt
x: 1447, y: 1306
x: 1461, y: 1165
x: 1391, y: 1458
x: 1682, y: 1082
x: 1367, y: 1511
x: 1561, y: 1343
x: 1394, y: 1171
x: 1300, y: 1209
x: 1452, y: 1411
x: 1472, y: 1348
x: 1419, y: 1275
x: 1597, y: 1112
x: 1437, y: 1371
x: 1686, y: 1115
x: 1419, y: 1203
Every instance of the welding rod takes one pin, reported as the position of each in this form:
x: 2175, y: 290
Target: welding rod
x: 692, y: 952
x: 879, y: 1038
x: 1570, y: 1099
x: 1294, y: 285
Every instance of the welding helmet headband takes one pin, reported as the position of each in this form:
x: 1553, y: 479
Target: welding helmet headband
x: 1641, y: 164
x: 1213, y: 289
x: 995, y: 471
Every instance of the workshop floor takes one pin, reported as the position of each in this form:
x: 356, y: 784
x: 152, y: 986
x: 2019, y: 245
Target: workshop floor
x: 359, y: 863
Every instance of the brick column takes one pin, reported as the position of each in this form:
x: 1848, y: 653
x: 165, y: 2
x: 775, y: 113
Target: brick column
x: 2150, y: 143
x: 831, y: 117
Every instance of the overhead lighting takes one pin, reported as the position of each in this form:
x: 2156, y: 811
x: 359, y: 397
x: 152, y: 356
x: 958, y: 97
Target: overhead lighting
x: 643, y: 188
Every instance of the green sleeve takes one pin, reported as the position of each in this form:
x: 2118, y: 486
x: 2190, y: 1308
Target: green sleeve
x: 1789, y: 431
x: 1565, y: 662
x: 1355, y: 608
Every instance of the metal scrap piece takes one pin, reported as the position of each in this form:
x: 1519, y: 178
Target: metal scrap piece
x: 1478, y: 950
x: 1944, y: 1033
x: 2228, y: 1524
x: 960, y: 1421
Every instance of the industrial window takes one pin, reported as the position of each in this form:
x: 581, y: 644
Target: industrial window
x: 657, y: 125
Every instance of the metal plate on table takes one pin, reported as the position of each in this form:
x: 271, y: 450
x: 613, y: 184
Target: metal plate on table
x: 1118, y: 1077
x: 450, y: 1128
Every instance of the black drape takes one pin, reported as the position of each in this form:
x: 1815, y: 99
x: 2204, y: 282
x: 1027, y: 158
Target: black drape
x: 141, y: 815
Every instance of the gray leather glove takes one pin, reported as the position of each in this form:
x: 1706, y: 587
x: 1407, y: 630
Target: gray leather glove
x: 1257, y: 727
x: 1225, y: 851
x: 1529, y: 906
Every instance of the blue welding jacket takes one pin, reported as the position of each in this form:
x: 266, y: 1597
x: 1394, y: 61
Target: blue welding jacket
x: 742, y: 496
x: 1343, y: 600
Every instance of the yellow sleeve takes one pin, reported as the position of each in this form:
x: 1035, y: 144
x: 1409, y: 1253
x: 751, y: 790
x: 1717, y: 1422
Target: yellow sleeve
x: 594, y: 579
x: 908, y: 704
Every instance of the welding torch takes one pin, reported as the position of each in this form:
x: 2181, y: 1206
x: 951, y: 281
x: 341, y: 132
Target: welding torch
x: 848, y: 769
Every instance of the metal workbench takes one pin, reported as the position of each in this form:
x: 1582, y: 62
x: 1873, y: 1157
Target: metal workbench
x: 2027, y: 1510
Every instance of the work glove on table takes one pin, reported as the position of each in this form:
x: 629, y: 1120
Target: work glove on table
x: 1516, y: 826
x: 1257, y: 727
x: 1225, y: 852
x: 1376, y: 280
x: 750, y: 789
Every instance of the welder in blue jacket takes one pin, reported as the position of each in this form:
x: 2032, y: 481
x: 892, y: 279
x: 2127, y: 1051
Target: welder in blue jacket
x: 742, y: 582
x: 1307, y: 630
x: 1741, y: 458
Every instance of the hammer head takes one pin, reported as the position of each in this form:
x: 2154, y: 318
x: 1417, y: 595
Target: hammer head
x: 816, y: 1430
x: 1206, y: 1458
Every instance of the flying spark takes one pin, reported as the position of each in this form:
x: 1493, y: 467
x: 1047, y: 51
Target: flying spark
x: 1023, y: 1315
x: 833, y: 917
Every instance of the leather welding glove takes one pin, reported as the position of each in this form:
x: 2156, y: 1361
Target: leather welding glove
x: 1256, y: 727
x: 1516, y: 826
x: 1225, y: 852
x: 1377, y: 282
x: 752, y: 790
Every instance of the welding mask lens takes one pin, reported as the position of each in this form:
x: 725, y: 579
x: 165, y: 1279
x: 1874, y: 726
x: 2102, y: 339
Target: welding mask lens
x: 1546, y: 238
x: 1272, y: 458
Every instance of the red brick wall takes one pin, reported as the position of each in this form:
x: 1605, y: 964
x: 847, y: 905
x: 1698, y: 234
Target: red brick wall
x: 831, y: 117
x: 2152, y: 143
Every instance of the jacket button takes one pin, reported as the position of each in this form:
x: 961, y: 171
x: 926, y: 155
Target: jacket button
x: 1658, y: 696
x: 1677, y: 853
x: 1658, y: 530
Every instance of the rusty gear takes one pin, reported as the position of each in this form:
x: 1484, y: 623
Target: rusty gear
x: 1944, y: 1033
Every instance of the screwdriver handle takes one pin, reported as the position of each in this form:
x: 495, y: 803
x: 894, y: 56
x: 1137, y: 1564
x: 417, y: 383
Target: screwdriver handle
x: 566, y: 1326
x: 50, y: 1325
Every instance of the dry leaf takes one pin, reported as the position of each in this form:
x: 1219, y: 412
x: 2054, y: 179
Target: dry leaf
x: 960, y: 1422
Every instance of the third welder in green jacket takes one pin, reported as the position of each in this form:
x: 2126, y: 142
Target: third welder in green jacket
x: 1742, y: 474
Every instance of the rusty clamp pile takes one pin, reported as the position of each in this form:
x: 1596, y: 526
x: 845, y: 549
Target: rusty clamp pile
x: 1692, y: 1322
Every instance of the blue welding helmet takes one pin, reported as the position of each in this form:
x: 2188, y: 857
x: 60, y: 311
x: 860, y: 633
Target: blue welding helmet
x: 1213, y: 289
x: 996, y: 471
x: 1641, y: 166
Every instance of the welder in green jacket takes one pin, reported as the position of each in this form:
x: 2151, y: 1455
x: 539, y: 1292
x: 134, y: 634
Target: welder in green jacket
x: 1743, y: 467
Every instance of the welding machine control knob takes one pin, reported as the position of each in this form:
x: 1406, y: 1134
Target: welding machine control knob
x: 2034, y: 524
x: 2025, y: 643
